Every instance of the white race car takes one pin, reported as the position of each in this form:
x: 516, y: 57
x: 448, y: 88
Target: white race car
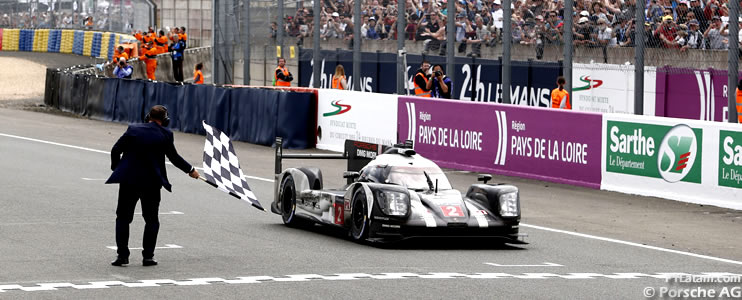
x: 397, y: 195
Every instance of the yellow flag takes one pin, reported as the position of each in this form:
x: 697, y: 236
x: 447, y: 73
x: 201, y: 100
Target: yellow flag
x: 292, y: 51
x: 278, y: 51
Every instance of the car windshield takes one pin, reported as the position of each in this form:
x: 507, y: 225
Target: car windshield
x: 414, y: 178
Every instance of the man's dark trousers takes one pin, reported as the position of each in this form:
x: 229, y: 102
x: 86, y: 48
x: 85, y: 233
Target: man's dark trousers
x: 128, y: 197
x: 178, y: 70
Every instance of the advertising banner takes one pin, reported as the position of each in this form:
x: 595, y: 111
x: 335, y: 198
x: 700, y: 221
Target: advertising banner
x: 693, y: 94
x: 687, y: 160
x: 553, y: 145
x: 730, y: 158
x: 475, y: 79
x: 609, y: 88
x: 356, y: 116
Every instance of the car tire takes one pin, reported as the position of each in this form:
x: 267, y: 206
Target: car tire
x: 359, y: 216
x: 288, y: 202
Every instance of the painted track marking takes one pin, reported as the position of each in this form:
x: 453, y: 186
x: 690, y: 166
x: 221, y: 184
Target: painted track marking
x: 167, y: 246
x: 600, y: 238
x: 172, y: 212
x: 522, y: 224
x: 53, y: 286
x: 545, y: 264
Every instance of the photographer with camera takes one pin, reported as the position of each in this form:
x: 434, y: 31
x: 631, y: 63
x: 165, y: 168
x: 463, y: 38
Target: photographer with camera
x: 441, y: 83
x: 123, y: 69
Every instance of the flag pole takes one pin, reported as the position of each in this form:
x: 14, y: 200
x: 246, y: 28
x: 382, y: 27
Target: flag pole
x: 233, y: 194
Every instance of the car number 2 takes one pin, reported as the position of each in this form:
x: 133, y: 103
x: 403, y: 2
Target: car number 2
x: 452, y: 211
x: 339, y: 215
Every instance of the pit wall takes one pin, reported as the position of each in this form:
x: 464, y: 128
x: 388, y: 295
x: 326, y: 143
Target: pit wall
x: 87, y: 43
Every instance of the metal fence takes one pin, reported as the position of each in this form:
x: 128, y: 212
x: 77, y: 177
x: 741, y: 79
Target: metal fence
x: 636, y: 39
x: 194, y: 15
x: 111, y: 15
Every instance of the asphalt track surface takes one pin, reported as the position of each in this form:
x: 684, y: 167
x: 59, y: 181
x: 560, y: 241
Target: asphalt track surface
x: 58, y: 218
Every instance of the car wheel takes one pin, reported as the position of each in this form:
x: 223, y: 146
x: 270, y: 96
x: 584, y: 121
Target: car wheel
x: 359, y: 216
x: 288, y: 202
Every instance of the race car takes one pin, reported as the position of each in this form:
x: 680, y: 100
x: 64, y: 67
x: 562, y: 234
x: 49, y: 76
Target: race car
x: 398, y: 194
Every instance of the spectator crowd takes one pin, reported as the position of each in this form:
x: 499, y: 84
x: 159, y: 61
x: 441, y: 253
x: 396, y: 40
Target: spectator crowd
x: 680, y: 24
x: 61, y: 20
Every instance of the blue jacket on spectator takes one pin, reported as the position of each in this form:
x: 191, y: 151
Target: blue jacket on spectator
x: 177, y: 50
x: 124, y: 72
x: 372, y: 34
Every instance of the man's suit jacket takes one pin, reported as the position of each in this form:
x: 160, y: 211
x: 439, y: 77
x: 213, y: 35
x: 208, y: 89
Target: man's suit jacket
x: 144, y: 147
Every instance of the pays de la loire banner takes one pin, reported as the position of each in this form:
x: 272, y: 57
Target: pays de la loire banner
x: 359, y: 116
x: 687, y: 160
x: 546, y: 144
x: 697, y: 94
x: 609, y: 88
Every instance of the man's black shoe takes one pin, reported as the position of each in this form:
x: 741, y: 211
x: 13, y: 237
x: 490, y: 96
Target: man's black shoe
x: 119, y: 262
x: 149, y: 262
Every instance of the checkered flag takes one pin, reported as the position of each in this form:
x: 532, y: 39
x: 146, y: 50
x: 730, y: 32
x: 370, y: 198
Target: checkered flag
x: 221, y: 168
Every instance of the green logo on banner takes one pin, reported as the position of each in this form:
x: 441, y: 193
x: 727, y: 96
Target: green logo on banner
x: 730, y: 159
x: 655, y: 151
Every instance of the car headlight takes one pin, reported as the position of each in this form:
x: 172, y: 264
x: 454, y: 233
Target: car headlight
x: 509, y: 204
x: 394, y: 203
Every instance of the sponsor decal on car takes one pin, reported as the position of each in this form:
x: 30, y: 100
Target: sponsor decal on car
x: 672, y: 153
x: 730, y: 159
x: 452, y: 210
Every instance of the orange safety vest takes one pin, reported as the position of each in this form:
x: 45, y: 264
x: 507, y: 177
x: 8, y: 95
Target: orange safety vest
x: 138, y: 36
x: 120, y: 55
x: 280, y: 82
x: 148, y: 37
x: 560, y: 99
x: 150, y: 62
x: 183, y: 36
x: 198, y: 77
x: 739, y: 106
x: 418, y: 89
x: 337, y: 82
x: 161, y: 44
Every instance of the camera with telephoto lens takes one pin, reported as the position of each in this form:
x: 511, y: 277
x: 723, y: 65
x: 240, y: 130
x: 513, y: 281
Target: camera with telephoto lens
x: 438, y: 73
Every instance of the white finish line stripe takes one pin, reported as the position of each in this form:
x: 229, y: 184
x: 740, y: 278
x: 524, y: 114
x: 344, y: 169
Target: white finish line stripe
x: 545, y: 264
x: 522, y: 224
x: 347, y: 276
x: 167, y: 246
x: 172, y: 212
x: 632, y: 244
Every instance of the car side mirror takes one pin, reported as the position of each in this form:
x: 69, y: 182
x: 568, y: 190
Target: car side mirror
x: 484, y: 178
x: 351, y: 175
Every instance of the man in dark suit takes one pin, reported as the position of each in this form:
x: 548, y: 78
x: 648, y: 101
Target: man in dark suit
x: 141, y: 174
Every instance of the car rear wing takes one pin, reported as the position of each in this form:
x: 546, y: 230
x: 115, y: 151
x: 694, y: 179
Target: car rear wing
x: 357, y: 154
